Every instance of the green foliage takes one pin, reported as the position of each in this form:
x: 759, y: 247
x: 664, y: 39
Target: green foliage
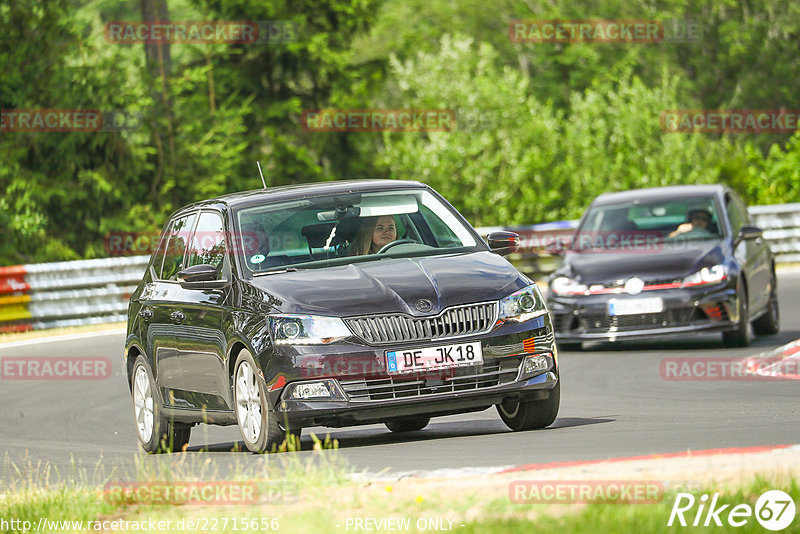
x: 495, y: 165
x: 542, y: 127
x: 774, y: 178
x: 532, y: 163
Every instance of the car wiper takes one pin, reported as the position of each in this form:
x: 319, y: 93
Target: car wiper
x: 286, y: 270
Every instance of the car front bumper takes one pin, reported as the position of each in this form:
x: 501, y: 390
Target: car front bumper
x: 368, y: 394
x: 685, y: 310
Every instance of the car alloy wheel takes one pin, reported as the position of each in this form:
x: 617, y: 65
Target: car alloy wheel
x: 156, y: 433
x: 769, y: 323
x: 259, y: 430
x: 740, y: 336
x: 143, y: 404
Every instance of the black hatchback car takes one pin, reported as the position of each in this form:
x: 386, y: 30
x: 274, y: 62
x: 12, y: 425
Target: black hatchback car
x: 665, y: 261
x: 333, y: 304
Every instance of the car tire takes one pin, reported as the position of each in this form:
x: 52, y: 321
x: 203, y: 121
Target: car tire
x: 529, y: 415
x: 740, y: 337
x: 769, y: 323
x: 408, y: 424
x: 156, y: 433
x: 571, y: 346
x: 257, y: 424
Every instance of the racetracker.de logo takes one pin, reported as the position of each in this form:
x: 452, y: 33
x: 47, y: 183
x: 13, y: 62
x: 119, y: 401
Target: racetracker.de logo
x: 68, y: 120
x: 183, y: 493
x: 586, y: 31
x: 585, y: 491
x: 730, y: 120
x: 201, y: 32
x: 720, y: 368
x: 55, y: 368
x: 139, y: 243
x: 618, y: 242
x: 378, y: 120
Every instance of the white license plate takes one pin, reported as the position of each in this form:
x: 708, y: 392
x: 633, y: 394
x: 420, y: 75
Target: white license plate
x: 635, y: 306
x: 432, y: 358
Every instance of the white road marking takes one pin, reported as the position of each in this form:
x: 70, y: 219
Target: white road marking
x: 70, y: 337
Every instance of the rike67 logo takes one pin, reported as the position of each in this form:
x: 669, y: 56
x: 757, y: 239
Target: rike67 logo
x: 774, y: 510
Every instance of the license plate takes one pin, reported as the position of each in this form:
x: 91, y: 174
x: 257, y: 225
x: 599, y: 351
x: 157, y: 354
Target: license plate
x: 635, y: 306
x: 432, y: 358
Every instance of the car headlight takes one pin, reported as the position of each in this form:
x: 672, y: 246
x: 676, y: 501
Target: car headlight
x: 706, y: 275
x: 567, y: 286
x: 524, y: 305
x: 307, y: 329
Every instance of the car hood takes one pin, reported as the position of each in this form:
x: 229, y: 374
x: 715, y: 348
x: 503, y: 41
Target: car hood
x: 601, y: 267
x: 392, y: 285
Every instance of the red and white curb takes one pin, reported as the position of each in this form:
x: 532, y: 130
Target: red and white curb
x: 467, y: 472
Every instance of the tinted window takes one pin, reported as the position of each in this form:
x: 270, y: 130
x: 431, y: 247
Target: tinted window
x: 208, y: 241
x: 176, y: 247
x: 158, y: 255
x: 339, y: 229
x: 736, y: 212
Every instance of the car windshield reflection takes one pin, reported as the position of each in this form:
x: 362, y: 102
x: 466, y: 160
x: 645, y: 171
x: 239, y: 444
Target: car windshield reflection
x: 669, y: 221
x: 351, y: 228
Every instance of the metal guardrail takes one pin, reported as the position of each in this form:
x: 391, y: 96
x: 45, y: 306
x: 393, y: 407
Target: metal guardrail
x: 51, y: 295
x: 69, y: 293
x: 781, y: 225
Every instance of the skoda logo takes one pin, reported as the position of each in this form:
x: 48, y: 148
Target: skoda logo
x: 424, y: 305
x: 634, y: 286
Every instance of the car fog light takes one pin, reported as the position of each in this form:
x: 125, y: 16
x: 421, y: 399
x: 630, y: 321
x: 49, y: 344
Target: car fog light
x: 311, y: 390
x: 535, y: 363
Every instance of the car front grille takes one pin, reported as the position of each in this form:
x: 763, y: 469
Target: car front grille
x: 452, y: 322
x: 665, y: 319
x: 502, y: 371
x: 662, y: 281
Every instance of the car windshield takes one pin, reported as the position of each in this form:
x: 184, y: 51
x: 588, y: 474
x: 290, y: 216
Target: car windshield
x: 348, y: 228
x: 664, y: 221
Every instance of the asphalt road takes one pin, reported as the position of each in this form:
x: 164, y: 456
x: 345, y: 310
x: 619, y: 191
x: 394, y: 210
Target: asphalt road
x: 614, y: 403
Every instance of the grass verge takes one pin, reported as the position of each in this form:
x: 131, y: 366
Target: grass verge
x: 324, y: 497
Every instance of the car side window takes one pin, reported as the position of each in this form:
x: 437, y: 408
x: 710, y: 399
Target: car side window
x: 158, y: 255
x: 176, y: 247
x: 736, y: 213
x: 208, y: 241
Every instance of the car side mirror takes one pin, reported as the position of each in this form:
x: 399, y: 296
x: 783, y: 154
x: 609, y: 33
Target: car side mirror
x: 503, y: 243
x: 748, y: 232
x: 200, y: 277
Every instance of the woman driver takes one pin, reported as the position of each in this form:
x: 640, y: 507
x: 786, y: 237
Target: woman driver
x: 374, y: 233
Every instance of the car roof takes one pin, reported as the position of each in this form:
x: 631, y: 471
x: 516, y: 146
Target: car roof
x: 290, y: 192
x: 659, y: 193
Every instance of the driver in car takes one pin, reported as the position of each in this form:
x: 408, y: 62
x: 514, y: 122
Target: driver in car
x: 374, y: 234
x: 699, y: 219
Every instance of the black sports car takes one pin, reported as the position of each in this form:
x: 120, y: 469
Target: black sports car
x: 333, y: 304
x: 664, y: 261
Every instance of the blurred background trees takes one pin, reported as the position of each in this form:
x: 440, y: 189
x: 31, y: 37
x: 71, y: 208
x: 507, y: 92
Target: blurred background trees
x: 542, y: 127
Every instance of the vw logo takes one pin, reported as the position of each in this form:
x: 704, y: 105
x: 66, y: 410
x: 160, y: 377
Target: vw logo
x: 634, y: 286
x: 424, y: 305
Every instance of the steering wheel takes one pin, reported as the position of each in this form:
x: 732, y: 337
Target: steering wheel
x: 394, y: 243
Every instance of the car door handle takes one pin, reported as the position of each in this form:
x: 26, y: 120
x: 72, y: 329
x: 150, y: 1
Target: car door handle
x: 146, y: 314
x: 177, y: 317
